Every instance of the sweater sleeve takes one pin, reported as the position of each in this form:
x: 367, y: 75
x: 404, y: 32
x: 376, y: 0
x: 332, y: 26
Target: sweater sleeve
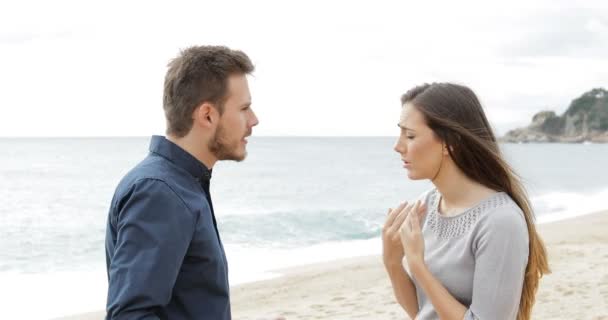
x: 501, y: 250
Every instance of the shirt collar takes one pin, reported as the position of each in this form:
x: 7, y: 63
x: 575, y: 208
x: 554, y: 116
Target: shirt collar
x: 174, y: 153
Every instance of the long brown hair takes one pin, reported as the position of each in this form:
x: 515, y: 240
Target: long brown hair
x: 456, y: 117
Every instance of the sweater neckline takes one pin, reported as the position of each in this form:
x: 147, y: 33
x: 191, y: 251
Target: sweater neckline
x: 437, y: 198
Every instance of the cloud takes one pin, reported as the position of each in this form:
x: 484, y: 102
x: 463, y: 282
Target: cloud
x: 559, y: 32
x: 97, y: 69
x: 23, y: 37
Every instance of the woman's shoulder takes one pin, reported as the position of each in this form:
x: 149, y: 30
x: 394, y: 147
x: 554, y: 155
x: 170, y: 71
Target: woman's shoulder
x: 502, y: 226
x: 501, y: 206
x: 501, y: 212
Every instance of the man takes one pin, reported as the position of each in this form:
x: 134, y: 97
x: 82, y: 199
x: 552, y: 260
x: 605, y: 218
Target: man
x: 164, y: 255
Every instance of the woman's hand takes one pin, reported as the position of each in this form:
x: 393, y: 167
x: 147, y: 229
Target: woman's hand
x: 411, y: 236
x: 392, y: 249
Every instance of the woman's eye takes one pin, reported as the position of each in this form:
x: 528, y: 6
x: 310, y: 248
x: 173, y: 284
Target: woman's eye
x: 410, y: 137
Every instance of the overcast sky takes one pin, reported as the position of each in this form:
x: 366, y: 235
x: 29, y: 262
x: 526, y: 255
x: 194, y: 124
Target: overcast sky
x: 72, y: 68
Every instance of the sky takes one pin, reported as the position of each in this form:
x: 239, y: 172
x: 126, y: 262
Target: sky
x: 323, y: 68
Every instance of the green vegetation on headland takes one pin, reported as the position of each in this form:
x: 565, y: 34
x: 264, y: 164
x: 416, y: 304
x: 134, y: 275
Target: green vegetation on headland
x: 585, y: 120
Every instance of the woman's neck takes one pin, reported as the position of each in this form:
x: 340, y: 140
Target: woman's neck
x: 458, y: 192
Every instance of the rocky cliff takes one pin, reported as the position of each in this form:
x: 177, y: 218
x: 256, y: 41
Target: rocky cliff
x: 586, y: 119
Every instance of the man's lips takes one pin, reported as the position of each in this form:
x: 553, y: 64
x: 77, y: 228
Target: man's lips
x: 246, y: 136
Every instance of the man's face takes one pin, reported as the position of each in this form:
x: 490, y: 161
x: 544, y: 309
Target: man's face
x: 236, y: 123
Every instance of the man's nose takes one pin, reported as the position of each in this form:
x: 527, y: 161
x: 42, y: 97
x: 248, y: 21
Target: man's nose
x: 255, y: 120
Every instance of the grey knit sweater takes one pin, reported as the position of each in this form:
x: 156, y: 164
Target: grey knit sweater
x: 479, y: 256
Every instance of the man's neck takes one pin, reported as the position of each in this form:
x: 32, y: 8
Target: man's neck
x: 196, y: 147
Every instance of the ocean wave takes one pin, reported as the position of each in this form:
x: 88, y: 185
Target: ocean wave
x: 555, y: 206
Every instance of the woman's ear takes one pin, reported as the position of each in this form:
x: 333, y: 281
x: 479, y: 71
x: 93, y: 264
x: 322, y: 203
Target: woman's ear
x: 445, y: 150
x: 448, y: 143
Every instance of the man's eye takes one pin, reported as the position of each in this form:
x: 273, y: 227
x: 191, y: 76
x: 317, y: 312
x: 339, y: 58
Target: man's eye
x: 410, y: 137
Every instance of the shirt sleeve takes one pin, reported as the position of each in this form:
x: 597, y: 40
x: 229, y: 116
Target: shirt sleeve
x: 501, y: 256
x: 154, y: 229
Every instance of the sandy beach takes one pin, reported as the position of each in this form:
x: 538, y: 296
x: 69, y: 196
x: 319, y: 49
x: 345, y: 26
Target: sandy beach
x: 358, y: 288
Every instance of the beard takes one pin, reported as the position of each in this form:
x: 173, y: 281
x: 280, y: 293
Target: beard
x: 224, y: 149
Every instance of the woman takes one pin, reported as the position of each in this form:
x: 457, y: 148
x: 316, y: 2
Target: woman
x: 470, y: 244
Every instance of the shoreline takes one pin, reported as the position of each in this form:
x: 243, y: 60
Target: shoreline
x: 358, y: 288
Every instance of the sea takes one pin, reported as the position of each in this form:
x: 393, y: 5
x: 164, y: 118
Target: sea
x: 293, y: 201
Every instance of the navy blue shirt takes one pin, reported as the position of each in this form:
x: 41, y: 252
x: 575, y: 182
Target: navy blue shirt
x: 164, y: 256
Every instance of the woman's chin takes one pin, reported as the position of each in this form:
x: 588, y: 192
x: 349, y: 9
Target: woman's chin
x: 413, y: 176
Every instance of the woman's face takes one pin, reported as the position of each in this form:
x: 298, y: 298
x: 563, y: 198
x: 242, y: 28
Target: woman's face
x: 421, y: 151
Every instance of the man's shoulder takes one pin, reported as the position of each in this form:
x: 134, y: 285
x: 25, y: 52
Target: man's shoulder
x: 154, y: 170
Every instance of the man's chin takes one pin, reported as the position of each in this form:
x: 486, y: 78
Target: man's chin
x: 235, y: 156
x: 241, y: 156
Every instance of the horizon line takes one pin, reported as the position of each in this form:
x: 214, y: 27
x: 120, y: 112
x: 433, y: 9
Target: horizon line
x: 148, y: 136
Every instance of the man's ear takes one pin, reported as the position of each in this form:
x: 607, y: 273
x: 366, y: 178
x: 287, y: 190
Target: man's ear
x: 205, y: 115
